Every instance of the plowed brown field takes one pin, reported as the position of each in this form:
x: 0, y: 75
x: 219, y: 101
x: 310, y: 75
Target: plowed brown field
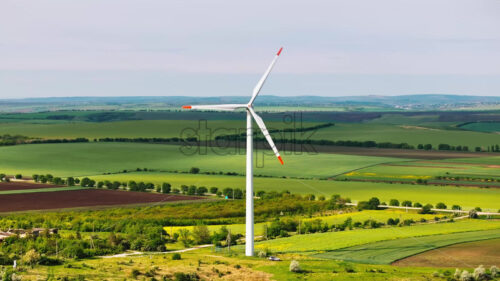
x: 82, y: 198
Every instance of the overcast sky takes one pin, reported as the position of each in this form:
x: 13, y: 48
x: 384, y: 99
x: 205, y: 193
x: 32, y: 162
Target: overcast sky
x: 204, y: 48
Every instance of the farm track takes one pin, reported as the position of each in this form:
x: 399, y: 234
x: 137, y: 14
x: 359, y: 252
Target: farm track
x: 82, y: 198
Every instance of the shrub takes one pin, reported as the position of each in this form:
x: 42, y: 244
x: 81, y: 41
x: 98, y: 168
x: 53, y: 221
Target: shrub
x: 480, y: 273
x: 194, y: 170
x: 465, y: 276
x: 135, y: 272
x: 19, y: 176
x: 213, y: 190
x: 456, y: 207
x: 201, y: 234
x: 261, y: 254
x: 427, y: 209
x: 176, y: 256
x: 295, y: 266
x: 473, y: 214
x: 457, y: 274
x: 394, y: 202
x: 493, y: 271
x: 441, y: 205
x: 181, y: 276
x: 165, y: 188
x: 417, y: 205
x: 201, y: 190
x: 406, y: 203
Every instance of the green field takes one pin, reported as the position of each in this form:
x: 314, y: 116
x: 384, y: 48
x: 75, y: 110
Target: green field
x: 410, y: 134
x: 79, y: 159
x: 427, y: 170
x: 329, y: 241
x: 380, y: 216
x: 54, y: 129
x: 386, y: 252
x: 467, y: 197
x: 490, y: 127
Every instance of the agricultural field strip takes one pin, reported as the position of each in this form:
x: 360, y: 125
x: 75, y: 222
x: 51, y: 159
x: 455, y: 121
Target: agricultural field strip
x: 386, y: 252
x: 471, y: 253
x: 380, y: 216
x: 329, y: 241
x: 100, y: 158
x: 466, y: 197
x: 413, y: 135
x: 36, y: 190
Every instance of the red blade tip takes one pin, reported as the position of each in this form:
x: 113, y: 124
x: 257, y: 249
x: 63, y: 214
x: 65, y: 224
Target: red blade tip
x: 279, y: 52
x: 281, y: 160
x: 186, y: 106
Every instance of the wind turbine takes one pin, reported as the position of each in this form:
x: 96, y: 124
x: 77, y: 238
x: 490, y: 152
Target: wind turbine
x: 249, y: 168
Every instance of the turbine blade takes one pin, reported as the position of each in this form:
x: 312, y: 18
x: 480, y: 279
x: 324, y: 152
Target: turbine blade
x: 263, y: 128
x: 226, y: 107
x: 259, y: 85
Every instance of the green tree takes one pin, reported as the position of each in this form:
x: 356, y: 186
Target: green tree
x: 228, y: 192
x: 194, y: 170
x: 406, y: 203
x: 191, y: 190
x: 213, y: 190
x: 394, y: 202
x: 184, y: 237
x: 238, y: 194
x: 441, y: 205
x: 201, y: 190
x: 85, y: 182
x: 70, y: 181
x: 427, y: 209
x: 165, y: 188
x: 201, y: 234
x: 31, y: 258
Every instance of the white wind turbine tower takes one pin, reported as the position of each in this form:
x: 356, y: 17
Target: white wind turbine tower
x: 249, y: 168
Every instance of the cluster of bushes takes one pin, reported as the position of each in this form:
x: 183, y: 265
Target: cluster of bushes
x: 12, y: 140
x: 150, y: 140
x: 467, y: 178
x: 47, y: 249
x: 444, y: 146
x: 374, y: 203
x: 70, y: 181
x: 480, y: 273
